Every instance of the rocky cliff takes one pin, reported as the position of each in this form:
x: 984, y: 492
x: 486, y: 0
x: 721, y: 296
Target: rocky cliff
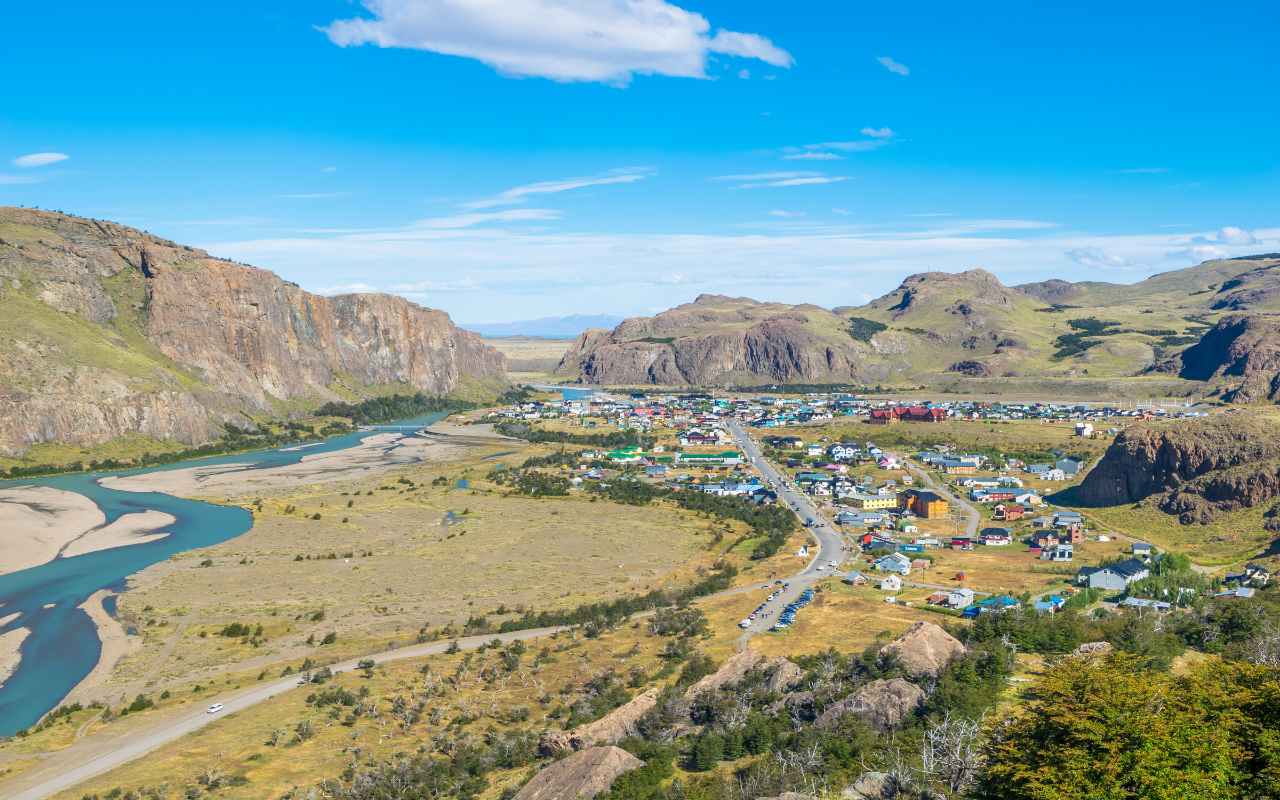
x: 109, y: 331
x: 1243, y: 352
x: 1193, y: 469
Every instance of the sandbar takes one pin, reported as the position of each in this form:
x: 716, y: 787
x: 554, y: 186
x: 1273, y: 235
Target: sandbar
x: 37, y: 522
x: 375, y: 453
x: 9, y: 655
x: 128, y: 530
x: 116, y: 644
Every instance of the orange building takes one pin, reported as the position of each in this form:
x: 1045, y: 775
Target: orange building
x: 927, y: 505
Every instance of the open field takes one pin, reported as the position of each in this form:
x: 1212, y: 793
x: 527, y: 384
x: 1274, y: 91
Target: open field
x: 1013, y: 437
x: 530, y: 358
x: 1230, y: 539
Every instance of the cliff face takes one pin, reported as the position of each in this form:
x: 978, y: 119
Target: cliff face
x: 1190, y: 468
x: 717, y: 339
x: 109, y: 331
x: 1243, y: 351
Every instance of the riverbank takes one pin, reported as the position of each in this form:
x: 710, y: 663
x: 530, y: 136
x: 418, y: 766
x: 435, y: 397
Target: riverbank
x: 139, y: 528
x: 116, y: 644
x: 10, y: 658
x: 38, y: 522
x: 374, y: 453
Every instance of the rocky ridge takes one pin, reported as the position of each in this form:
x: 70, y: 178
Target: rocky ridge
x: 111, y: 331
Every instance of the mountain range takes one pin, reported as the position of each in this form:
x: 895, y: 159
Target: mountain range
x: 938, y: 327
x: 566, y: 327
x: 110, y: 332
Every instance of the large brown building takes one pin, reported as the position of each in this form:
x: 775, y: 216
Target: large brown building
x: 925, y: 504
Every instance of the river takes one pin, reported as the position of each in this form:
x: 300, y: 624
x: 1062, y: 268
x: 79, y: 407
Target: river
x: 63, y: 646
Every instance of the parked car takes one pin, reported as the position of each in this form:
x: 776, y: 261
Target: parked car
x: 214, y: 709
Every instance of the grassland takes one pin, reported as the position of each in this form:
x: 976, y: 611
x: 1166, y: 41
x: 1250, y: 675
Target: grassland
x: 531, y: 358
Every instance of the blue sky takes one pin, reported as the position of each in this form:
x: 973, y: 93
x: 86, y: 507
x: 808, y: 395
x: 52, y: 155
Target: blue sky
x: 529, y: 158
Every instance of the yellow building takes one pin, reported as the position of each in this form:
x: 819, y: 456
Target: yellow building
x: 874, y: 502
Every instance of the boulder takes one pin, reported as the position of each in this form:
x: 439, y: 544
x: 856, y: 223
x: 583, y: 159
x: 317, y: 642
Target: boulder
x: 872, y: 786
x: 883, y: 705
x: 609, y: 729
x: 789, y: 796
x: 730, y: 672
x: 1092, y: 649
x: 924, y: 650
x: 785, y: 677
x: 584, y: 774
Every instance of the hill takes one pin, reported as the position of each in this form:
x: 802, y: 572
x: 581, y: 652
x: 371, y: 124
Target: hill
x: 936, y: 328
x: 111, y: 332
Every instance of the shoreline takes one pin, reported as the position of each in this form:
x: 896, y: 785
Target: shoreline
x: 10, y: 651
x: 115, y: 644
x: 39, y: 522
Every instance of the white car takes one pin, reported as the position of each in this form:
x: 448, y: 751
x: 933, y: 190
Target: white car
x: 214, y: 709
x: 746, y: 623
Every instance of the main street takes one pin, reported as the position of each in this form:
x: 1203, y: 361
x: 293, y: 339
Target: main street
x: 831, y: 544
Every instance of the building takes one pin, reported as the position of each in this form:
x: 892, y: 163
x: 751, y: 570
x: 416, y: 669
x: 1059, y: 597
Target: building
x: 873, y: 502
x: 960, y: 598
x: 925, y: 504
x: 1113, y: 577
x: 997, y: 537
x: 891, y: 583
x: 1084, y: 429
x: 1060, y: 552
x: 893, y: 562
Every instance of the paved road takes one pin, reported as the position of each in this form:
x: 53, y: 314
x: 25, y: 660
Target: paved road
x: 831, y: 544
x: 102, y: 756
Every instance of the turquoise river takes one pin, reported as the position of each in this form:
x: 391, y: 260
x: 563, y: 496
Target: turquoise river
x: 62, y: 647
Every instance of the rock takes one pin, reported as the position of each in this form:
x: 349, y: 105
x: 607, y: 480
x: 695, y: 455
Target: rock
x: 872, y: 786
x: 609, y: 729
x: 883, y: 705
x: 784, y: 677
x: 584, y: 774
x: 924, y: 650
x: 789, y: 796
x: 1092, y: 649
x: 1194, y: 468
x: 133, y: 334
x: 734, y: 669
x: 1242, y: 350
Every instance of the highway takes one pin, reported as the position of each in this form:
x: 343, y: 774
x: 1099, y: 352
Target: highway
x: 831, y: 543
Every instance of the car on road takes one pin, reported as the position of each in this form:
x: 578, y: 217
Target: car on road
x: 215, y: 708
x: 746, y: 623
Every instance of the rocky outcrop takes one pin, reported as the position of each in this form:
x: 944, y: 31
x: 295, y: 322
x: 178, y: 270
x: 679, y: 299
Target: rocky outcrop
x: 1243, y: 352
x: 580, y: 776
x: 872, y: 786
x: 782, y: 673
x: 924, y: 650
x: 784, y: 677
x: 609, y: 729
x: 884, y: 705
x: 1194, y: 469
x: 126, y: 333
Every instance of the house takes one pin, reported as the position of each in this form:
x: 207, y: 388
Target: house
x: 882, y: 416
x: 960, y: 598
x: 863, y: 519
x: 843, y: 452
x: 1059, y: 552
x: 1144, y: 603
x: 990, y: 604
x: 854, y: 578
x: 1142, y: 550
x: 925, y: 504
x: 1240, y: 592
x: 1065, y: 519
x: 1069, y: 467
x: 891, y: 583
x: 1050, y: 604
x: 1009, y: 512
x: 1113, y: 577
x: 656, y: 471
x: 1251, y: 575
x: 1084, y: 429
x: 997, y: 537
x: 922, y: 414
x: 955, y: 466
x: 893, y: 562
x: 873, y: 502
x: 961, y: 543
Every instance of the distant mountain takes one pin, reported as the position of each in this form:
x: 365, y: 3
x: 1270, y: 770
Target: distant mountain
x: 107, y: 332
x: 567, y: 327
x: 934, y: 328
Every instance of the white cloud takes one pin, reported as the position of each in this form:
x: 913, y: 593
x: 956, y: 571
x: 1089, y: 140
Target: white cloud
x: 1201, y: 252
x: 458, y: 221
x: 760, y: 180
x: 1233, y: 235
x: 565, y: 40
x: 893, y: 66
x: 858, y: 146
x: 13, y: 180
x: 877, y: 133
x: 812, y: 155
x: 521, y: 274
x: 520, y: 193
x: 784, y: 214
x: 347, y: 288
x: 328, y: 170
x: 1095, y: 258
x: 39, y: 159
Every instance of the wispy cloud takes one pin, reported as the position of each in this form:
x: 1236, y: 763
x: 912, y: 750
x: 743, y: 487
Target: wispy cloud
x: 31, y: 160
x: 784, y: 214
x: 829, y: 151
x: 564, y: 40
x: 458, y: 221
x: 877, y: 133
x: 1096, y: 258
x: 346, y: 288
x: 812, y: 155
x: 520, y: 194
x: 760, y: 180
x: 896, y: 67
x: 1144, y: 171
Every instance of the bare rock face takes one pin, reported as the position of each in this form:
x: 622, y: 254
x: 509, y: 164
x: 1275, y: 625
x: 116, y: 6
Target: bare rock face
x: 872, y: 786
x: 1242, y: 351
x: 609, y: 729
x: 584, y: 775
x: 924, y: 650
x: 785, y: 676
x: 126, y: 333
x: 734, y: 669
x: 884, y: 705
x: 1190, y: 468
